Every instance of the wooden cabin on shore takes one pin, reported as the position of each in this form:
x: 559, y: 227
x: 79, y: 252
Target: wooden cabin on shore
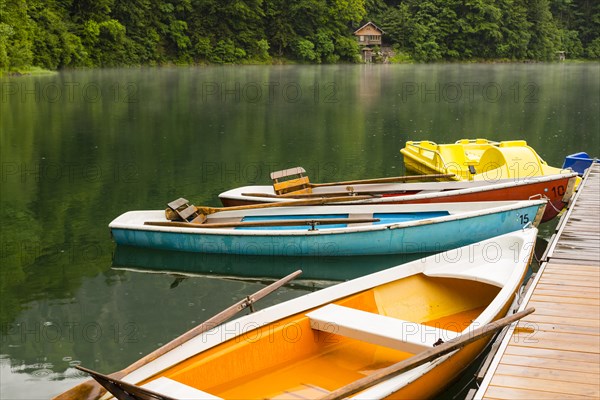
x: 368, y: 36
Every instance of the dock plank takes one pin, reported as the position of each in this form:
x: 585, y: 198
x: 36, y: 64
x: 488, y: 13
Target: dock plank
x: 559, y: 328
x: 569, y: 277
x: 558, y: 281
x: 564, y: 299
x: 572, y: 269
x: 586, y: 359
x: 509, y: 393
x: 572, y: 310
x: 579, y: 262
x: 539, y: 372
x: 551, y: 341
x: 576, y: 254
x: 568, y: 289
x: 558, y: 318
x: 547, y: 385
x: 556, y: 293
x: 555, y: 364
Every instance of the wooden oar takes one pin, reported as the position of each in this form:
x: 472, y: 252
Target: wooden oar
x: 205, y: 210
x: 376, y: 194
x: 426, y: 356
x: 283, y: 222
x: 384, y: 180
x: 90, y: 389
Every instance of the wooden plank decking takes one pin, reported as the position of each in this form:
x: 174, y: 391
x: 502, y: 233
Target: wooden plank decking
x: 554, y: 353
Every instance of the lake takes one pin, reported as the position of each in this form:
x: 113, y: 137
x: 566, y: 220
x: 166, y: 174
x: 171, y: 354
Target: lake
x: 81, y: 147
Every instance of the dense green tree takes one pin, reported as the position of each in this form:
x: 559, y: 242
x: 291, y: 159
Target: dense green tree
x: 544, y: 32
x: 465, y: 29
x: 515, y: 30
x: 54, y: 45
x: 16, y: 34
x: 579, y: 22
x: 279, y: 25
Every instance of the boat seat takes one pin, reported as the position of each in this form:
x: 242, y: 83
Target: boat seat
x: 452, y: 157
x: 184, y: 210
x: 378, y: 329
x: 480, y: 272
x: 299, y: 184
x: 176, y: 390
x: 362, y: 216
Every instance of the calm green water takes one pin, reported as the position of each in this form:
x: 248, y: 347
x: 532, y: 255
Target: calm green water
x: 80, y: 148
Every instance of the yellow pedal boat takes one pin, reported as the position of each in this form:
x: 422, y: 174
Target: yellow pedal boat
x: 477, y: 159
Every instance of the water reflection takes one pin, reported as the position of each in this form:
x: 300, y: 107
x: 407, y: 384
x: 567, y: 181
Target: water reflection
x: 233, y: 265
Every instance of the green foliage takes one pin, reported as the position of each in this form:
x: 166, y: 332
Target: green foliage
x: 593, y: 49
x: 305, y: 49
x: 569, y: 42
x: 544, y: 32
x: 262, y: 52
x: 515, y: 30
x: 434, y: 30
x: 347, y: 48
x: 400, y: 57
x: 6, y: 31
x: 57, y: 34
x: 225, y: 52
x: 16, y: 36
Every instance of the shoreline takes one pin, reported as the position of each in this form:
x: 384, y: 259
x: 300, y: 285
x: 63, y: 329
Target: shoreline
x: 37, y: 71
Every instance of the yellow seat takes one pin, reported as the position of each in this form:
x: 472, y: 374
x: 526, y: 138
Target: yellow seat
x: 299, y: 183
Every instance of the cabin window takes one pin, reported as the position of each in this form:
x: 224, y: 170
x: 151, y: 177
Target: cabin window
x: 362, y: 38
x: 374, y: 37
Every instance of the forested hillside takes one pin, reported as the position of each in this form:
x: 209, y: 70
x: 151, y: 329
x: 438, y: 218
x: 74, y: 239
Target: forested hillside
x: 57, y: 34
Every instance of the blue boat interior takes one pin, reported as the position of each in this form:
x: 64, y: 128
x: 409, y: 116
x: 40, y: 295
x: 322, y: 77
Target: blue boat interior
x: 384, y: 218
x: 578, y: 162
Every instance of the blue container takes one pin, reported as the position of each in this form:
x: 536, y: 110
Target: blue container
x: 578, y: 162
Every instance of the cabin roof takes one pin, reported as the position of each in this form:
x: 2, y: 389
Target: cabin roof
x: 367, y: 24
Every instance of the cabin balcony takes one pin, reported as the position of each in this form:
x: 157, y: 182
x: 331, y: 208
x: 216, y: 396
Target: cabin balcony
x: 369, y: 41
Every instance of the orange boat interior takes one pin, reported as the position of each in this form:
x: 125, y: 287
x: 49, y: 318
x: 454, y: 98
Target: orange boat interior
x: 289, y: 358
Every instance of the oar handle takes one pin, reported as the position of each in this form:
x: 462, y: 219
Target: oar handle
x: 425, y: 356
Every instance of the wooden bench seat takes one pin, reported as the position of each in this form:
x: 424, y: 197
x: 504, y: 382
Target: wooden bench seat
x: 182, y: 209
x: 300, y: 184
x: 377, y: 329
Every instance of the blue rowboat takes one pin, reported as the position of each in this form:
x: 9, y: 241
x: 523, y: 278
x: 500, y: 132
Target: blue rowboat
x: 333, y: 230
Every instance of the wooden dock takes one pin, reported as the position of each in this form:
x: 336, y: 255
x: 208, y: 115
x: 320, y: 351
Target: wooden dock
x: 554, y: 353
